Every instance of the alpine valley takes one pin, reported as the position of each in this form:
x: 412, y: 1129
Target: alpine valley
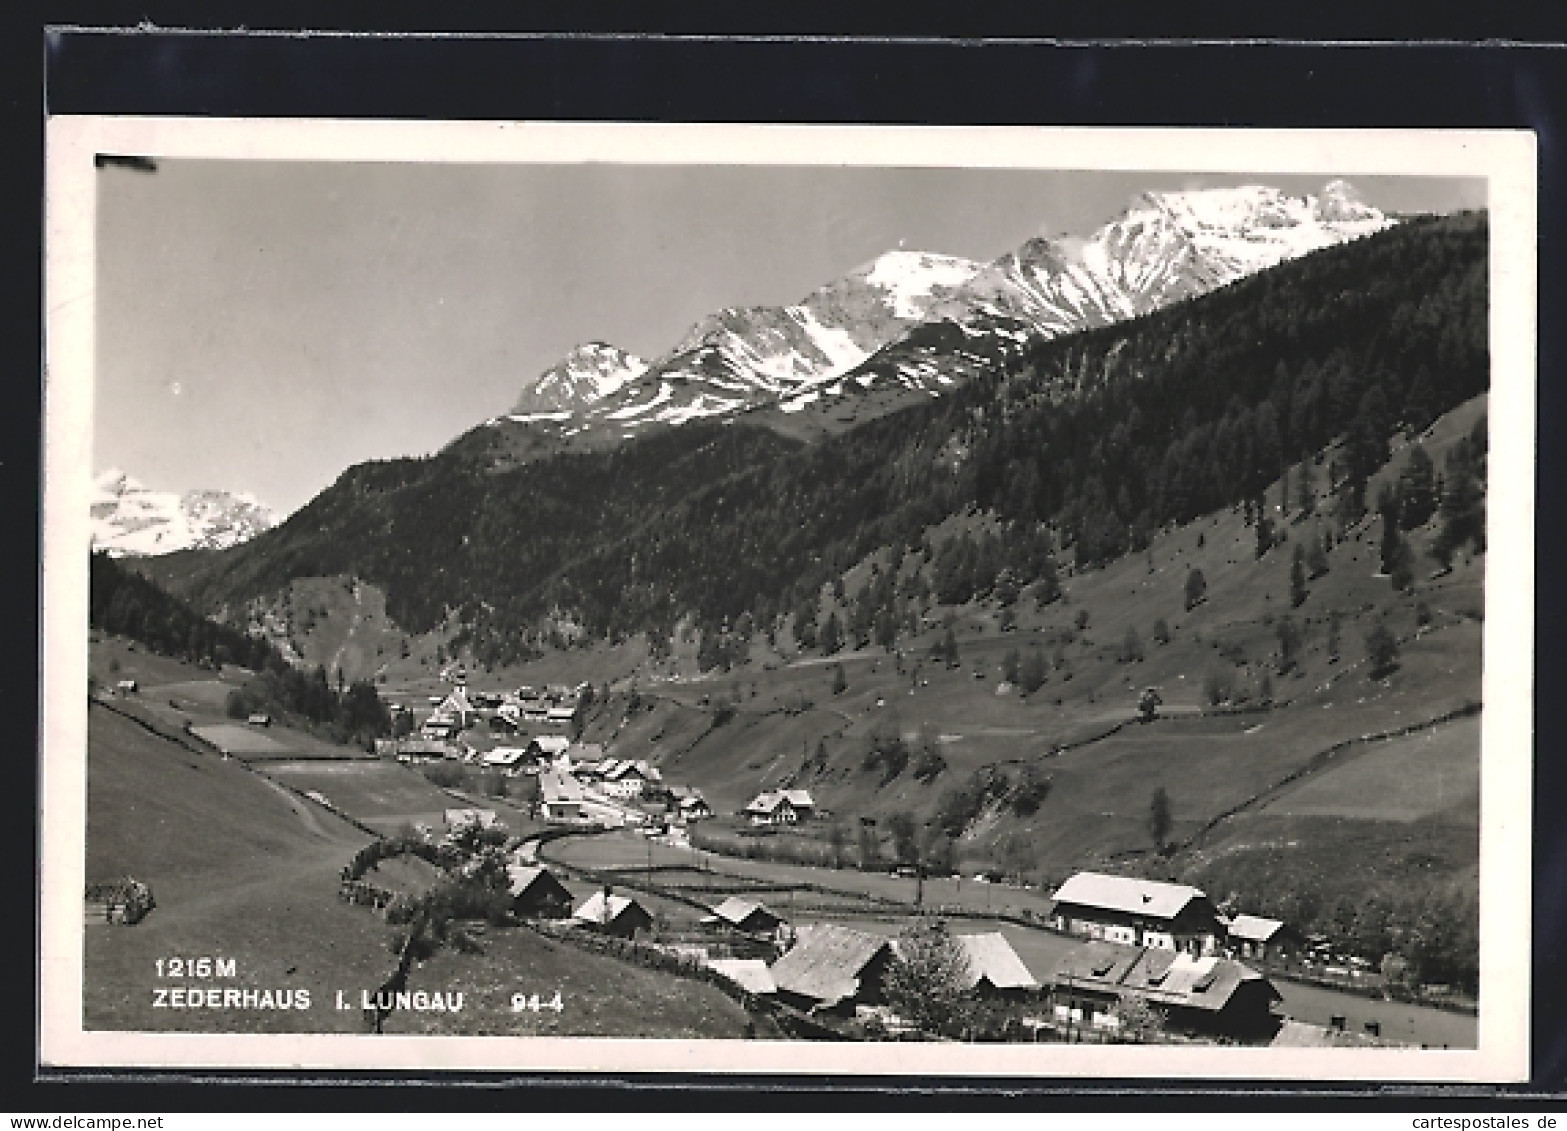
x: 1157, y: 550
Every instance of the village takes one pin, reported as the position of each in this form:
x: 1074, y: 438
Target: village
x: 1113, y: 959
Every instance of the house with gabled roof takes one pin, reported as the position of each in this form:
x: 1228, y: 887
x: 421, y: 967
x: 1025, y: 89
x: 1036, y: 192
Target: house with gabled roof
x: 1252, y: 936
x: 801, y: 802
x: 612, y: 914
x: 690, y: 803
x: 832, y: 969
x: 1137, y: 912
x: 994, y: 968
x: 537, y: 891
x: 743, y: 915
x: 770, y: 808
x: 548, y: 747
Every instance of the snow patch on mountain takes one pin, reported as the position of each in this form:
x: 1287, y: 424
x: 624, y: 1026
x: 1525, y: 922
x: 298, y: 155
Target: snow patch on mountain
x: 589, y: 373
x: 913, y: 278
x: 966, y: 316
x: 129, y: 519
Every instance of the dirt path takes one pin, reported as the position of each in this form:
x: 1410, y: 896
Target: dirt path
x: 303, y: 810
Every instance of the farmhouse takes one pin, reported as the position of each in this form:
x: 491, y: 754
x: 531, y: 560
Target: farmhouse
x: 536, y: 891
x: 548, y: 747
x: 771, y: 808
x: 690, y: 803
x: 1137, y: 912
x: 832, y: 968
x: 743, y: 915
x: 611, y: 914
x: 626, y: 778
x: 259, y: 720
x: 1205, y: 996
x: 994, y: 968
x: 560, y: 796
x: 1252, y: 936
x: 800, y: 801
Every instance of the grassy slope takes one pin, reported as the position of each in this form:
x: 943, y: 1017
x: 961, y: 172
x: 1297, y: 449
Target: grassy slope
x: 601, y: 996
x: 239, y: 869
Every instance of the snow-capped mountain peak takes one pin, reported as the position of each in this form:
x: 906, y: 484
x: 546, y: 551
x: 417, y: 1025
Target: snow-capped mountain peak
x: 1166, y: 246
x: 589, y: 373
x: 129, y: 519
x: 915, y: 280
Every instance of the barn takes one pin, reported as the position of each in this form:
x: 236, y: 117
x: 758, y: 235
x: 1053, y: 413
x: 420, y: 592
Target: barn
x: 611, y: 914
x: 743, y: 915
x: 1137, y: 912
x: 537, y: 892
x: 832, y: 968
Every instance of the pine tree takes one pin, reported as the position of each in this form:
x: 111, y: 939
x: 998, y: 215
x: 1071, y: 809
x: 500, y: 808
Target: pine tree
x: 1306, y: 490
x: 1196, y: 589
x: 1316, y: 558
x: 831, y: 638
x: 1298, y: 577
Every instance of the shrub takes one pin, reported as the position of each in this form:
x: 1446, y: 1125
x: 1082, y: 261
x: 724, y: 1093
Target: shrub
x: 448, y: 775
x: 1381, y: 651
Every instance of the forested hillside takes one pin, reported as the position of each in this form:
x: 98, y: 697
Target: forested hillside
x: 126, y: 604
x: 1082, y: 447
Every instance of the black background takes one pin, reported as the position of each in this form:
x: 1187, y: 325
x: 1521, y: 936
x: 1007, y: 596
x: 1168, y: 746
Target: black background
x: 689, y: 63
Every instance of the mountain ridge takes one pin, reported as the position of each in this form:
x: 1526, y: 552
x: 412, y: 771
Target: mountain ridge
x: 1165, y: 247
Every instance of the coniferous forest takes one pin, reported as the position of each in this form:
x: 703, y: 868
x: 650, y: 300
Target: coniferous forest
x: 126, y: 604
x: 1081, y: 448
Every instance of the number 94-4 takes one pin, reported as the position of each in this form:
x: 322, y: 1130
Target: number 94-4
x: 533, y: 1003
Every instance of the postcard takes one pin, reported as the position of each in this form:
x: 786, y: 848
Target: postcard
x: 968, y: 602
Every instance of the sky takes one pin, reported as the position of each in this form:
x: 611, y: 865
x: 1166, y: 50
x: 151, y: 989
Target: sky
x: 264, y: 325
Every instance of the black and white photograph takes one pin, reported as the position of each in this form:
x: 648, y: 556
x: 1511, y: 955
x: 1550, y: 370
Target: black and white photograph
x: 714, y: 598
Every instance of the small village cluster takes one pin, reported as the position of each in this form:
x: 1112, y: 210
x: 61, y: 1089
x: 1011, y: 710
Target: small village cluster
x: 1162, y: 946
x: 555, y: 707
x: 578, y: 783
